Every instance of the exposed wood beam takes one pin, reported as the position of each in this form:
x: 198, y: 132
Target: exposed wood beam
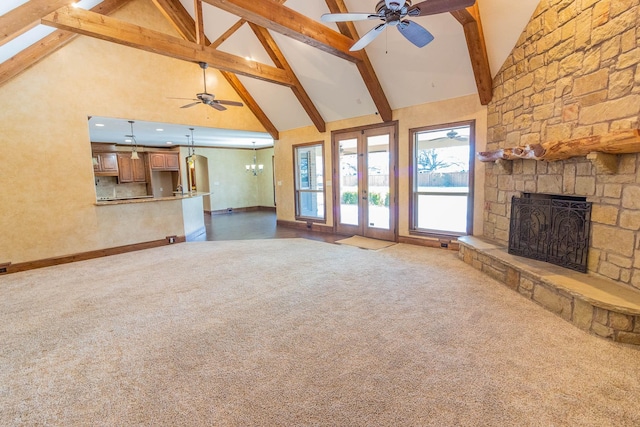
x: 280, y: 61
x: 251, y: 103
x: 281, y: 19
x: 171, y: 9
x: 472, y: 25
x: 25, y: 17
x: 364, y: 67
x: 33, y: 54
x: 116, y: 31
x: 199, y: 21
x: 180, y: 18
x: 225, y: 36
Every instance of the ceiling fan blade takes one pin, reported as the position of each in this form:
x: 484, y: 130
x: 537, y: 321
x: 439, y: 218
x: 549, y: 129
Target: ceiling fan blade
x: 368, y: 38
x: 234, y: 103
x: 433, y: 7
x: 190, y: 105
x: 217, y: 106
x: 188, y: 99
x: 415, y: 33
x: 343, y: 17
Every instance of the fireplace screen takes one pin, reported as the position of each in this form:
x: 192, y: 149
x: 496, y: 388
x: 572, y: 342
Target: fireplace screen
x: 554, y: 229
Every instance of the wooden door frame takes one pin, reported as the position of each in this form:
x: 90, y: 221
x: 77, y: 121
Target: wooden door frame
x: 393, y: 171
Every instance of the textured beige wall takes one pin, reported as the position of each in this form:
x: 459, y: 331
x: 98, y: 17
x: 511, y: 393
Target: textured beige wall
x: 230, y: 185
x: 45, y: 169
x: 443, y: 112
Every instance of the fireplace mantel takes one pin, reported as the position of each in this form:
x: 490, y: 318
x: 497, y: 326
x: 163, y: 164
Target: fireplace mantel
x: 596, y: 148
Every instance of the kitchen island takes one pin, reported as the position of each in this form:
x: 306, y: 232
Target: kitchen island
x: 190, y: 213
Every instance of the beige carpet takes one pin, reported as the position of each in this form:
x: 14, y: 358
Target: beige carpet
x: 365, y: 243
x: 297, y: 333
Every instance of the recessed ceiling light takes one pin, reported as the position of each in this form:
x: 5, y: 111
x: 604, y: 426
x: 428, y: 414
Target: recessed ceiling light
x: 100, y: 125
x: 248, y: 58
x: 160, y: 130
x: 76, y: 4
x: 169, y: 142
x: 127, y: 140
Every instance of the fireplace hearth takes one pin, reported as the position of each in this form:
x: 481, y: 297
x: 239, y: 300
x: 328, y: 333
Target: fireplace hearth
x: 551, y: 228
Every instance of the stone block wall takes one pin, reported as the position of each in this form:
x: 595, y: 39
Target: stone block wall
x: 574, y: 72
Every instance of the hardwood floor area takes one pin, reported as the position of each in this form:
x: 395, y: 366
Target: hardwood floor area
x: 254, y: 225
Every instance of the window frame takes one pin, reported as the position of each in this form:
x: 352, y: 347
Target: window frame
x: 413, y: 177
x: 297, y: 191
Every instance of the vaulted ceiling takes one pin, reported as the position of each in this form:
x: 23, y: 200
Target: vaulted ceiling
x: 288, y: 67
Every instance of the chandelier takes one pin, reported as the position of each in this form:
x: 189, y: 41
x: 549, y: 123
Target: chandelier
x: 254, y: 168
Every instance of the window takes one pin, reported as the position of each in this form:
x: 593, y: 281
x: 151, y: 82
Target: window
x: 309, y: 181
x: 442, y: 179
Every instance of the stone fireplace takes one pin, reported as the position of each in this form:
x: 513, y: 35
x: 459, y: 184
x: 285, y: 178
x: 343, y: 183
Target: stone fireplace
x: 572, y: 78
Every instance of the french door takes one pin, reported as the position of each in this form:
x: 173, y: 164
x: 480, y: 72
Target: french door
x: 364, y: 191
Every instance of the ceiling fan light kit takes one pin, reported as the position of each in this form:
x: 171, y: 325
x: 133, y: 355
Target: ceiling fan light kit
x: 393, y: 13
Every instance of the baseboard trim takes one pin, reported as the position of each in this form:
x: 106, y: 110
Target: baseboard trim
x: 247, y: 209
x: 449, y: 244
x: 82, y: 256
x: 309, y: 226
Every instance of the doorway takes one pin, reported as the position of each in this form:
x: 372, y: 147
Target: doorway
x: 364, y: 177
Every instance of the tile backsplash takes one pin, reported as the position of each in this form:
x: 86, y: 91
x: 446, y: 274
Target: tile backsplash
x: 108, y: 187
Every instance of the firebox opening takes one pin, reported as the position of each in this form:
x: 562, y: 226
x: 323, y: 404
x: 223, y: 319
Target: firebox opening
x: 551, y: 228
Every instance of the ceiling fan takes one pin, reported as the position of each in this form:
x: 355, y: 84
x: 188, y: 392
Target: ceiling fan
x: 208, y: 98
x: 394, y: 12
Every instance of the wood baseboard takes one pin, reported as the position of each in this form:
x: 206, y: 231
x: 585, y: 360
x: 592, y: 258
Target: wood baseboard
x: 450, y: 244
x: 247, y: 209
x: 82, y: 256
x: 309, y: 226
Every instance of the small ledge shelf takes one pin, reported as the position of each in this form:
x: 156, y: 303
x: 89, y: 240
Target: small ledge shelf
x: 596, y: 305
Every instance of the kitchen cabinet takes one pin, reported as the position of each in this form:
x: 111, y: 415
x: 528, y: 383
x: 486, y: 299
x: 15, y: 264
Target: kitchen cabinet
x: 131, y: 170
x: 164, y: 161
x: 105, y: 164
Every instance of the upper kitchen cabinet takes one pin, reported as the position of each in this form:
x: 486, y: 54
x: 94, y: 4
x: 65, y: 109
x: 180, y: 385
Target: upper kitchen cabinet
x: 105, y: 164
x: 131, y: 170
x: 169, y: 161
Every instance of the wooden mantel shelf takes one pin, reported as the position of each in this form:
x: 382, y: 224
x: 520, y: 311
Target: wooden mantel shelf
x: 619, y: 142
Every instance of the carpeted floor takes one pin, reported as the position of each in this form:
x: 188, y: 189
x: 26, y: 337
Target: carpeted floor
x: 294, y: 332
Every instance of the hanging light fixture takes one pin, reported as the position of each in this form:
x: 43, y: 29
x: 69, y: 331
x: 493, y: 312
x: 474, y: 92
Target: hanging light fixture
x: 191, y: 151
x: 254, y: 168
x: 134, y: 150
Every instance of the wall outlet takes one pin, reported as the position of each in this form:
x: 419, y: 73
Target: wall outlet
x: 171, y: 239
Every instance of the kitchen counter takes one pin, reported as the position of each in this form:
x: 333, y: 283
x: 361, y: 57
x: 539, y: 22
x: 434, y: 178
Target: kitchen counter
x: 148, y: 199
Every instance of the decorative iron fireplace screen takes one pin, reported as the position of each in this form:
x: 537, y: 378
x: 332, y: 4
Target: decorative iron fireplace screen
x: 551, y: 229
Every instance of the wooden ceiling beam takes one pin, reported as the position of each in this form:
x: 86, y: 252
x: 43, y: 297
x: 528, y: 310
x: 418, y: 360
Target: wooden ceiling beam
x: 116, y: 31
x: 25, y: 17
x: 281, y: 19
x: 172, y: 9
x: 199, y: 21
x: 472, y: 25
x: 280, y: 61
x: 244, y: 94
x: 180, y: 18
x: 35, y: 53
x: 364, y: 67
x: 225, y: 36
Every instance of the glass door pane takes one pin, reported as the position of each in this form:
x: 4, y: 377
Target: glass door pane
x: 378, y: 182
x: 348, y: 166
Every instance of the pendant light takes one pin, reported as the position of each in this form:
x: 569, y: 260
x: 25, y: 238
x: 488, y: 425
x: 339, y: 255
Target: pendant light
x: 134, y: 149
